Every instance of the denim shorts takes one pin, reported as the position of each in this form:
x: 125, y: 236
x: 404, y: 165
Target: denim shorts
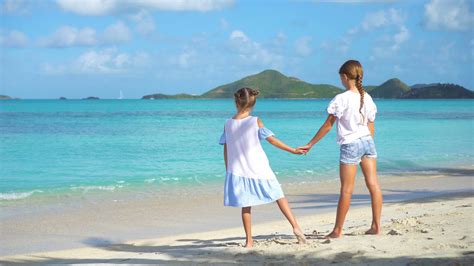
x: 352, y: 153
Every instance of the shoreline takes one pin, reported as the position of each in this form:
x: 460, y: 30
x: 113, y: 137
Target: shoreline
x: 149, y: 186
x: 77, y: 225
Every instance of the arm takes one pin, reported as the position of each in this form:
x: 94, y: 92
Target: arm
x: 371, y: 126
x: 223, y: 141
x: 281, y: 145
x: 278, y: 143
x: 225, y: 156
x: 323, y: 130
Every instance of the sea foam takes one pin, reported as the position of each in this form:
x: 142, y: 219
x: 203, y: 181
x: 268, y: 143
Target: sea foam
x: 18, y: 195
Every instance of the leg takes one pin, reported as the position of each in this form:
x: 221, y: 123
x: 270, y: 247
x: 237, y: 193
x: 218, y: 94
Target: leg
x: 347, y: 174
x: 369, y: 169
x: 247, y: 221
x: 286, y: 210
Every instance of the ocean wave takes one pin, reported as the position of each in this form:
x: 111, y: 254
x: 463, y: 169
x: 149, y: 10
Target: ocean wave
x: 87, y: 188
x: 169, y: 178
x: 18, y: 195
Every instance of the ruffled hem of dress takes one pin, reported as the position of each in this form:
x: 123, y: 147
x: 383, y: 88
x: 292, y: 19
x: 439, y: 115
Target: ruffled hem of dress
x: 242, y: 191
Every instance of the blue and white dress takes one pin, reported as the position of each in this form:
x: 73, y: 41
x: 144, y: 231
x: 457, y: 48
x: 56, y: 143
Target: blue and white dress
x: 249, y: 178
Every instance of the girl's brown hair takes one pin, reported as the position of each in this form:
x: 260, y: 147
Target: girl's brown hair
x: 353, y: 70
x: 246, y: 98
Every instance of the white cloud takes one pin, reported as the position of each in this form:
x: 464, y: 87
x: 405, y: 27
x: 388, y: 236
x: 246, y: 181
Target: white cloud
x: 122, y: 60
x: 105, y: 61
x: 379, y: 19
x: 388, y: 20
x: 389, y: 45
x: 338, y: 47
x: 105, y: 7
x: 97, y: 62
x: 13, y: 38
x: 303, y: 46
x: 278, y: 44
x: 67, y: 36
x: 383, y: 20
x: 251, y: 52
x: 88, y: 7
x: 144, y: 23
x: 449, y: 15
x: 117, y: 33
x: 183, y: 5
x: 185, y: 59
x: 280, y: 38
x: 50, y: 69
x: 20, y: 7
x: 355, y: 1
x: 402, y: 36
x: 238, y: 35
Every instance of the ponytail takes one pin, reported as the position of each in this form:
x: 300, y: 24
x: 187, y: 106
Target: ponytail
x: 358, y: 84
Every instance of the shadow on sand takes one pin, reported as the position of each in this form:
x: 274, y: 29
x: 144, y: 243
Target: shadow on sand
x: 444, y: 171
x: 322, y: 201
x: 195, y: 251
x: 227, y: 250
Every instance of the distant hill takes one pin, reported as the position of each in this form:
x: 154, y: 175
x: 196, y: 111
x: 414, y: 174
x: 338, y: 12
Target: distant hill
x: 165, y: 96
x: 416, y: 86
x: 438, y: 91
x: 369, y: 88
x: 397, y: 89
x: 392, y: 89
x: 5, y: 97
x: 91, y: 98
x: 273, y: 84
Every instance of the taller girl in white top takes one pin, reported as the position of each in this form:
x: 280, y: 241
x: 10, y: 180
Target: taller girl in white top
x: 354, y: 113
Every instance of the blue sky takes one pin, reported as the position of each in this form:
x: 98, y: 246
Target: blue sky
x: 76, y: 48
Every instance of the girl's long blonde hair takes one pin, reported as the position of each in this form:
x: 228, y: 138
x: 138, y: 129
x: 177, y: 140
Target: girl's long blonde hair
x: 353, y: 70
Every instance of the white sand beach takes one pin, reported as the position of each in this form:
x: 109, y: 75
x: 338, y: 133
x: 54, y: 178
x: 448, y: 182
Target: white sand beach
x: 427, y: 219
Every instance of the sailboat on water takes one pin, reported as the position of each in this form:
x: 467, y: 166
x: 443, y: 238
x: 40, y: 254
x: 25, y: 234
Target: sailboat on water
x: 121, y: 95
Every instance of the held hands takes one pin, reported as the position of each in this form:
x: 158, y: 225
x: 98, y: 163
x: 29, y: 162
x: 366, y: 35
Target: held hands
x: 304, y: 149
x: 279, y: 144
x: 298, y: 151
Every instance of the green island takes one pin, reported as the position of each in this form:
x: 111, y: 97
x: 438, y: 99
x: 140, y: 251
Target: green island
x: 273, y: 84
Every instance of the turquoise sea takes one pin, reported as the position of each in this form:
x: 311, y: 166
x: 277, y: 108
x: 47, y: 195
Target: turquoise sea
x: 52, y: 147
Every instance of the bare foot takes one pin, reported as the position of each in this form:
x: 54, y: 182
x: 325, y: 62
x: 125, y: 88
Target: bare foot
x: 333, y: 234
x: 373, y: 231
x: 248, y: 244
x: 299, y: 236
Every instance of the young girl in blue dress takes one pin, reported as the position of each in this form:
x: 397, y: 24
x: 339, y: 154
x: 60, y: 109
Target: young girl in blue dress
x: 354, y: 113
x: 250, y: 180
